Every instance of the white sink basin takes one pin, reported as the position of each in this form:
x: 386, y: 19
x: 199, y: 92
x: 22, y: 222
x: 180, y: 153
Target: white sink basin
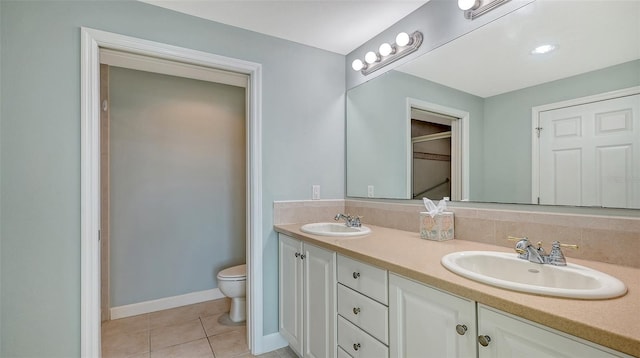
x: 334, y: 229
x: 508, y: 271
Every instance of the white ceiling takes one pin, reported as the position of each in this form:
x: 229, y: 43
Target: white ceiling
x: 337, y: 26
x: 496, y: 58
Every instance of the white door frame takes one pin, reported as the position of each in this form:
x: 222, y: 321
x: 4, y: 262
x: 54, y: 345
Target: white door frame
x: 535, y: 123
x: 459, y: 147
x: 91, y: 41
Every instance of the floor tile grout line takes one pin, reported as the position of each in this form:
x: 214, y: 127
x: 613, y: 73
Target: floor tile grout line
x: 205, y: 335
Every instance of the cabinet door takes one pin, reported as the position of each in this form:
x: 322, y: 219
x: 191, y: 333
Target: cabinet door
x: 290, y: 290
x: 517, y: 338
x: 319, y: 302
x: 423, y: 320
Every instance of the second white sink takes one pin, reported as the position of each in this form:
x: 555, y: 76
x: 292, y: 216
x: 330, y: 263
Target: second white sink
x: 508, y: 271
x: 334, y: 229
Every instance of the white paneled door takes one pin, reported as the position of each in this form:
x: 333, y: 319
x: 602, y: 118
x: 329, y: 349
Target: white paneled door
x: 590, y: 154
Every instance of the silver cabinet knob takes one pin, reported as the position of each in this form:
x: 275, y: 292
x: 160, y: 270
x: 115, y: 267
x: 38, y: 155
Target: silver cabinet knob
x: 356, y: 346
x: 484, y: 340
x: 302, y: 256
x: 297, y: 254
x: 356, y: 275
x: 461, y: 329
x: 356, y: 310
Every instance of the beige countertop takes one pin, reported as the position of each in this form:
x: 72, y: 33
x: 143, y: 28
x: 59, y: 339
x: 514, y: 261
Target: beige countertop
x: 613, y: 323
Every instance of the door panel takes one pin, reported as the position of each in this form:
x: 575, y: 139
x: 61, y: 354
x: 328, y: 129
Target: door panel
x: 320, y: 302
x: 291, y: 292
x: 590, y: 154
x: 423, y: 319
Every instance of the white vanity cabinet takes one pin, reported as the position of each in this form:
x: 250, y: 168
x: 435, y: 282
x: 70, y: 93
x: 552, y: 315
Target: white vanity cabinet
x: 334, y: 306
x: 307, y: 302
x: 424, y: 321
x: 503, y: 335
x: 363, y: 326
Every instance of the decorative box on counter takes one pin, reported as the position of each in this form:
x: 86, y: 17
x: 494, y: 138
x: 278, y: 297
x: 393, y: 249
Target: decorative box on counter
x: 436, y: 223
x: 438, y: 228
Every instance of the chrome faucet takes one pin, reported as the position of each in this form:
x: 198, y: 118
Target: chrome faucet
x: 351, y: 221
x: 527, y: 251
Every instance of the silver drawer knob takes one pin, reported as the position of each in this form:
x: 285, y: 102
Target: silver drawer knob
x: 356, y: 310
x: 356, y: 346
x: 484, y: 340
x: 356, y: 275
x: 302, y: 256
x: 461, y: 329
x: 297, y: 254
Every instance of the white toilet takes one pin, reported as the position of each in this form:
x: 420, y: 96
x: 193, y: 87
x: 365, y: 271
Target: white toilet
x: 232, y: 282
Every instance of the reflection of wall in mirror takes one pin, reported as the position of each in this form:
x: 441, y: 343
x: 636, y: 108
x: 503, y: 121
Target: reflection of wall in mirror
x: 378, y: 133
x: 507, y: 126
x: 499, y: 133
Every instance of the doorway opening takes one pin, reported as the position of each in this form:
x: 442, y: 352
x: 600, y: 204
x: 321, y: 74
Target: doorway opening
x: 92, y: 41
x: 431, y: 144
x: 438, y: 151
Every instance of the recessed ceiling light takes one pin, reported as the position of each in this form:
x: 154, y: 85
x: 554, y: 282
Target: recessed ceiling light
x: 542, y: 49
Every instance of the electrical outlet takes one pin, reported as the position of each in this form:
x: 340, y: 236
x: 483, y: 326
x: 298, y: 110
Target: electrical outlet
x: 370, y: 191
x: 315, y: 192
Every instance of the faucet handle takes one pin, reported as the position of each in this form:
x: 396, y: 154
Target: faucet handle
x: 556, y: 257
x: 521, y: 246
x: 354, y: 221
x: 571, y: 246
x: 514, y: 238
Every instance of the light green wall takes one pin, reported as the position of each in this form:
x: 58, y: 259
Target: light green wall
x: 303, y: 144
x: 177, y: 184
x: 507, y: 127
x: 377, y: 132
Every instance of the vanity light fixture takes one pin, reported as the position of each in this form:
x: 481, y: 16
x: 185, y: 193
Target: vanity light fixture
x: 475, y: 8
x: 403, y: 39
x: 385, y: 49
x: 371, y: 57
x: 388, y: 53
x: 357, y: 65
x: 542, y: 49
x: 465, y: 5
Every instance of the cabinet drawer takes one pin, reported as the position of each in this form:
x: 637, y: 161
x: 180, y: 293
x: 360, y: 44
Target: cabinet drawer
x: 369, y: 315
x: 342, y: 353
x: 366, y: 279
x: 358, y: 343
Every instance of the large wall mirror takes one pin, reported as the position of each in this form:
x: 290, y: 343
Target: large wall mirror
x: 559, y: 127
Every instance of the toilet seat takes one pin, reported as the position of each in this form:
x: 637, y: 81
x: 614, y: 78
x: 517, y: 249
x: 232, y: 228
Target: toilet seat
x: 234, y: 273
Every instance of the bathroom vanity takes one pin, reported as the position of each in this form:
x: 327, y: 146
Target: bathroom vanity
x: 386, y: 294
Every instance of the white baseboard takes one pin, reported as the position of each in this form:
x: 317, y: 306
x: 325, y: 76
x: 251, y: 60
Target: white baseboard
x: 271, y: 342
x: 165, y: 303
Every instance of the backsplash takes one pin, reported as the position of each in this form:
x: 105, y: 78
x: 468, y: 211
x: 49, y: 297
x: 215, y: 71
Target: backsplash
x: 306, y: 211
x: 608, y: 239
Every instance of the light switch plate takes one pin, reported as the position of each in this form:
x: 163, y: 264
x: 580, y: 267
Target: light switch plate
x: 315, y: 192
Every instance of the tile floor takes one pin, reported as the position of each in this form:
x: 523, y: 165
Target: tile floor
x: 190, y: 331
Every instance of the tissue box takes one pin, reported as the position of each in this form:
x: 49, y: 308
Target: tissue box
x: 437, y: 228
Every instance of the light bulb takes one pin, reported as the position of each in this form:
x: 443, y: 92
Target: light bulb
x: 385, y: 49
x: 540, y: 50
x: 402, y: 39
x: 371, y: 57
x: 468, y: 4
x: 357, y: 65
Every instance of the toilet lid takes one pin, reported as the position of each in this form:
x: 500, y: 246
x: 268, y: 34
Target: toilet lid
x: 234, y: 272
